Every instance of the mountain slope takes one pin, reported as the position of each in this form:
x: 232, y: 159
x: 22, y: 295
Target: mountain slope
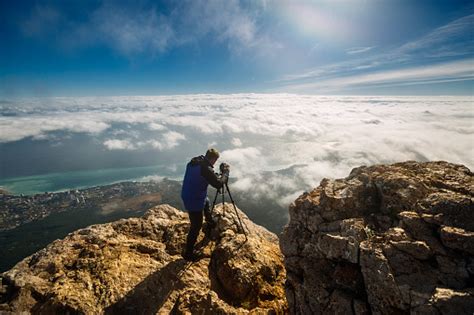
x: 134, y: 266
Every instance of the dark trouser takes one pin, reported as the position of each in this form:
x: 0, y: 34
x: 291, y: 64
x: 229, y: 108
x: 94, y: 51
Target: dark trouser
x: 196, y: 224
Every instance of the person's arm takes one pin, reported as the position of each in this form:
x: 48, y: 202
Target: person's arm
x: 212, y: 178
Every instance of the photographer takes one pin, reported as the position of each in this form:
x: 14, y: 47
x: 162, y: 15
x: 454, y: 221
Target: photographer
x: 199, y: 174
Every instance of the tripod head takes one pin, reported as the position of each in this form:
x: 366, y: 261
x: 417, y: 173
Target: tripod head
x: 224, y: 168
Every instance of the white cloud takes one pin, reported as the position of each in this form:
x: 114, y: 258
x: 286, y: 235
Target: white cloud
x: 446, y: 41
x: 287, y: 143
x: 173, y: 138
x: 226, y: 19
x: 228, y: 22
x: 244, y: 160
x: 130, y: 31
x: 445, y: 72
x: 430, y: 50
x: 236, y: 142
x: 358, y: 50
x: 167, y: 141
x: 145, y: 29
x: 39, y: 125
x: 156, y: 126
x: 116, y: 144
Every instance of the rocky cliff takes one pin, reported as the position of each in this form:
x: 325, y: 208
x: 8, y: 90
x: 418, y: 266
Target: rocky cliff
x: 134, y: 266
x: 387, y: 239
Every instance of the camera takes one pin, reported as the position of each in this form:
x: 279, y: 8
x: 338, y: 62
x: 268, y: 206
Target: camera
x: 224, y: 168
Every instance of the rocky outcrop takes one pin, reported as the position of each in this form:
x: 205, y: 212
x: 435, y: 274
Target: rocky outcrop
x: 134, y: 266
x: 387, y: 239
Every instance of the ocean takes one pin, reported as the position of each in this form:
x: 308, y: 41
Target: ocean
x: 61, y: 181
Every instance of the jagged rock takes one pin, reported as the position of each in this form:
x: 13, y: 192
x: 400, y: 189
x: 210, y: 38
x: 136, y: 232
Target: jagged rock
x: 416, y: 249
x: 457, y: 238
x: 135, y: 266
x: 447, y: 301
x: 338, y: 247
x: 387, y: 239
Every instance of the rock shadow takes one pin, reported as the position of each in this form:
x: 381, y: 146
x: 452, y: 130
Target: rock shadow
x: 149, y: 295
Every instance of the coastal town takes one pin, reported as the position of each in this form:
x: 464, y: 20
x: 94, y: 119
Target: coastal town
x: 16, y: 210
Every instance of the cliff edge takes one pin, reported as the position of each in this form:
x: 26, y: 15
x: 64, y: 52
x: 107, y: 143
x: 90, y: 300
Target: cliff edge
x: 387, y: 239
x: 134, y: 266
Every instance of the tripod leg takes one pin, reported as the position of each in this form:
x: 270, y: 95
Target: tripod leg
x: 236, y: 213
x: 223, y: 206
x: 215, y: 199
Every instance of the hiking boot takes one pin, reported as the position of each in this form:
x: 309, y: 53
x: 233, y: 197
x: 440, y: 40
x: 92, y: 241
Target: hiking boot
x: 211, y: 224
x: 208, y: 228
x: 191, y: 257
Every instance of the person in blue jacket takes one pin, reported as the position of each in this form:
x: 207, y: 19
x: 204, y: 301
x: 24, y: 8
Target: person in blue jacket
x: 199, y: 174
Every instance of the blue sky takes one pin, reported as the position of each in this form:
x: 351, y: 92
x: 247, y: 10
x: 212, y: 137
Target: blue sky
x: 77, y: 48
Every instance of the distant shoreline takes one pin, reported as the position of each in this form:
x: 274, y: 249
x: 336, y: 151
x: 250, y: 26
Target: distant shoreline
x: 29, y: 223
x: 71, y: 180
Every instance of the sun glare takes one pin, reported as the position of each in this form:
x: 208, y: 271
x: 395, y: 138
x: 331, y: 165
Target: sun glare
x: 317, y: 22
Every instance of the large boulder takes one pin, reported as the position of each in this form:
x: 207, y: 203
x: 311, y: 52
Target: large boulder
x: 134, y: 266
x: 387, y: 239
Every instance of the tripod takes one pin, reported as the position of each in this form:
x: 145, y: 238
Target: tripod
x: 221, y: 191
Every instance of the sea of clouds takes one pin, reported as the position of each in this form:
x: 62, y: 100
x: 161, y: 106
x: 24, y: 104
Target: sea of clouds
x: 278, y: 145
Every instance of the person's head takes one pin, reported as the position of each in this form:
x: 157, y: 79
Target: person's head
x: 212, y: 155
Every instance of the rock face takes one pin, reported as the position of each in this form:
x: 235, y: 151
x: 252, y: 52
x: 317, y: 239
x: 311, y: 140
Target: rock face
x: 134, y: 266
x: 387, y: 239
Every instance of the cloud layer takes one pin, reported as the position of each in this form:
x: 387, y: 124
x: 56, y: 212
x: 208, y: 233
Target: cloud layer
x: 444, y: 72
x: 277, y: 144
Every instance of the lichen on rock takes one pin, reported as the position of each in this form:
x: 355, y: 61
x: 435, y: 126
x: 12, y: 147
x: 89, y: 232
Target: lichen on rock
x: 387, y: 239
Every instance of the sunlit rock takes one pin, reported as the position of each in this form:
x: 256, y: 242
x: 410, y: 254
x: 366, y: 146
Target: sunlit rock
x: 387, y: 239
x: 135, y: 266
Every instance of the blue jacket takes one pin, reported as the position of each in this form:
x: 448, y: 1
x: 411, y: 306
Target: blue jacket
x: 199, y: 174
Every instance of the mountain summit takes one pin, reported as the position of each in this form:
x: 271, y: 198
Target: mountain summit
x: 387, y: 239
x: 135, y: 266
